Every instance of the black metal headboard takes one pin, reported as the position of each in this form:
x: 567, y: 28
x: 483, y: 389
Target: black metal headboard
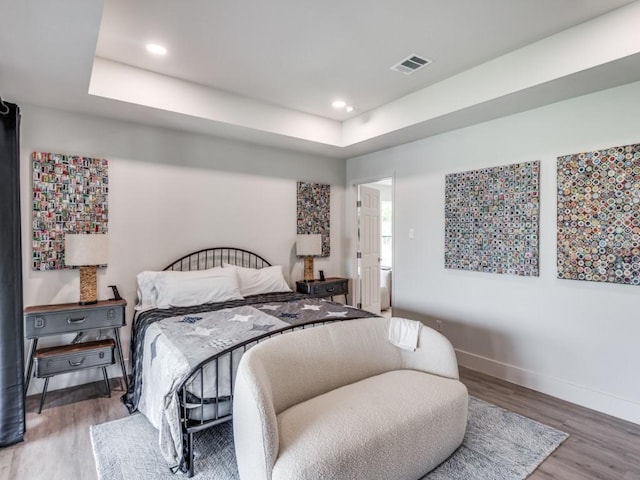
x: 215, y: 257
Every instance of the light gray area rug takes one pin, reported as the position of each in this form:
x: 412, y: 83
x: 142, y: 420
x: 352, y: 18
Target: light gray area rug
x: 498, y: 445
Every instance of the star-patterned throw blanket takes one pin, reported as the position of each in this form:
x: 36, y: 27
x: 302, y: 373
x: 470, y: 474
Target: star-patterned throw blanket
x: 169, y: 344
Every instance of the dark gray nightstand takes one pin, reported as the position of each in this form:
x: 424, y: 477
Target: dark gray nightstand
x: 328, y: 287
x: 47, y: 320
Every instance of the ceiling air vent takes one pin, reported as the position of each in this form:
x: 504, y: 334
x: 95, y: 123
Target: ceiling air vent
x: 411, y: 64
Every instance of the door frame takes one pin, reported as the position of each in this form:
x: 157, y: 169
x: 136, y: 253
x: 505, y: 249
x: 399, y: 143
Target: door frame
x: 352, y: 229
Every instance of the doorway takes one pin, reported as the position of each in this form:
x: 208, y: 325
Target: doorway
x: 374, y: 249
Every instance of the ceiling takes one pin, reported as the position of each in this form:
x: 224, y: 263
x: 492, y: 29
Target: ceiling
x: 267, y: 72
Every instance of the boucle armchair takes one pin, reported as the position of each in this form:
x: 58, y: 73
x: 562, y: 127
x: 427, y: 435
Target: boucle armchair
x: 340, y: 402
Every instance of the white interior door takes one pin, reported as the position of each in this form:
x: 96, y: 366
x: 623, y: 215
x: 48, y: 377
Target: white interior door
x: 369, y: 248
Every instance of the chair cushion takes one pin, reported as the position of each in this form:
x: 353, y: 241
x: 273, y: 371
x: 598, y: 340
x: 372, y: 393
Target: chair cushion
x: 400, y: 424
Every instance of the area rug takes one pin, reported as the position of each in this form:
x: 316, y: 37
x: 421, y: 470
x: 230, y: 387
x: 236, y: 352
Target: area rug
x: 498, y: 445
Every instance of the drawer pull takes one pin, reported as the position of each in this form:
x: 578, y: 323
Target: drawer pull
x: 330, y: 289
x: 75, y: 321
x: 77, y: 364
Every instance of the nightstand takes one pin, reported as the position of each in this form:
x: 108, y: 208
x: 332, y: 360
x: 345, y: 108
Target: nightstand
x: 73, y: 357
x: 47, y: 320
x: 324, y: 288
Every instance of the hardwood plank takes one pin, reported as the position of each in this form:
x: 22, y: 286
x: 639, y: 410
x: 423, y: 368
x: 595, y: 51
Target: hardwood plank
x: 57, y: 444
x: 6, y: 460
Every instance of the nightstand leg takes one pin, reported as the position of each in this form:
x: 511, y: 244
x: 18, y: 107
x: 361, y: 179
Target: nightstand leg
x: 32, y: 351
x: 44, y: 394
x: 116, y: 331
x: 106, y: 381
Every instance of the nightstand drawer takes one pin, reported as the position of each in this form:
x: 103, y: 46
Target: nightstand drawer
x: 329, y: 288
x: 326, y: 288
x: 41, y: 324
x: 69, y: 358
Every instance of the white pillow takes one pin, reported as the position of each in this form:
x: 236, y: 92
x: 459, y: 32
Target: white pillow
x: 183, y: 289
x: 254, y: 281
x: 147, y: 292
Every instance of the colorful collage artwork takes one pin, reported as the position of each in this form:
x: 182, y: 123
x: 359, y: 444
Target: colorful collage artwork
x: 599, y: 215
x: 492, y: 219
x: 314, y: 212
x: 69, y: 196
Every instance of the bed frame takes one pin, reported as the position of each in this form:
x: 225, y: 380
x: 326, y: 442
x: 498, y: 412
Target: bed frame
x: 215, y: 257
x: 218, y: 410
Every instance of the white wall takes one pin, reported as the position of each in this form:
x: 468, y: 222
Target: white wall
x: 575, y: 340
x: 172, y: 193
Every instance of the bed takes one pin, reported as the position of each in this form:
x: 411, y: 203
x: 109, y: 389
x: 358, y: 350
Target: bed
x: 194, y: 320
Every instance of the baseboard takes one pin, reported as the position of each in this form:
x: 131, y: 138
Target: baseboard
x: 556, y: 387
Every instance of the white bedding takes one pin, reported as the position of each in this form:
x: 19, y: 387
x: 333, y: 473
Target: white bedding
x: 176, y: 345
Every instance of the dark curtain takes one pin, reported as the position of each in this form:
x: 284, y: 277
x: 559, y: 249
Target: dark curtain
x: 12, y: 420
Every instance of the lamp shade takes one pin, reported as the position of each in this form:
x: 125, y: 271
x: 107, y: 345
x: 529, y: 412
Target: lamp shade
x: 86, y: 249
x: 309, y: 244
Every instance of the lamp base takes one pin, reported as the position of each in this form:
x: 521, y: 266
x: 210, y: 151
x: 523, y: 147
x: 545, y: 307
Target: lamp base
x: 88, y: 285
x: 308, y: 268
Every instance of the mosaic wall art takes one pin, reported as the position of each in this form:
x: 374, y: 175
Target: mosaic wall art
x: 492, y: 219
x: 599, y: 215
x: 69, y: 196
x: 314, y: 212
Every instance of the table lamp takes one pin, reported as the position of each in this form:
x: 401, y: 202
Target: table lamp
x: 308, y: 245
x: 86, y: 251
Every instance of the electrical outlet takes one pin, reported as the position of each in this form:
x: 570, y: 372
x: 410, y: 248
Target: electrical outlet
x: 439, y: 325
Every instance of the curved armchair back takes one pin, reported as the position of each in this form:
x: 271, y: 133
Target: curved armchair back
x: 287, y: 370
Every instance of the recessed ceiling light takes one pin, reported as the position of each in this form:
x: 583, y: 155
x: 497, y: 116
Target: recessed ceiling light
x: 156, y: 49
x: 339, y: 104
x: 350, y: 108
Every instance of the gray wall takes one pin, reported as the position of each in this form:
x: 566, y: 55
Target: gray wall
x: 575, y: 340
x: 171, y: 193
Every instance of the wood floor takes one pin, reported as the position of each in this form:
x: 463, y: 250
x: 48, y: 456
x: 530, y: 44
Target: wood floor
x: 57, y: 445
x: 598, y: 447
